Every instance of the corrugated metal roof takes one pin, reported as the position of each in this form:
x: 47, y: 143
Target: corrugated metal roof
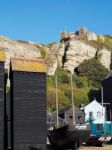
x: 2, y: 55
x: 28, y: 65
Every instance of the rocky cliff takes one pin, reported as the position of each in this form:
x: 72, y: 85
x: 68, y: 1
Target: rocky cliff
x: 76, y: 47
x: 72, y: 50
x: 19, y: 49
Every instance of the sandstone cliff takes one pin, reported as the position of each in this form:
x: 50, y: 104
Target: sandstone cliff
x: 19, y: 49
x: 76, y: 47
x: 69, y: 53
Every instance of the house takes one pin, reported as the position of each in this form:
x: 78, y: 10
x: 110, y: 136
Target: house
x: 67, y: 113
x: 28, y: 104
x: 2, y: 99
x: 52, y: 120
x: 95, y: 113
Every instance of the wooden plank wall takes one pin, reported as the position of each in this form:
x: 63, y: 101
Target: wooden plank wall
x: 107, y: 96
x: 28, y: 102
x: 8, y: 121
x: 1, y: 106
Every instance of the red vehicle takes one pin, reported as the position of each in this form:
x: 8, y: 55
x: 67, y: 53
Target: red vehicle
x: 94, y: 141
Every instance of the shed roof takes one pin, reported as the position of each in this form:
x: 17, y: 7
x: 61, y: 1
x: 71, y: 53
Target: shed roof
x: 94, y: 103
x: 28, y: 65
x: 2, y: 55
x: 64, y: 110
x: 109, y: 75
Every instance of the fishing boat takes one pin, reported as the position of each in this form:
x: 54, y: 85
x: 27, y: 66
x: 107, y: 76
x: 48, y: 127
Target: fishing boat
x: 62, y: 138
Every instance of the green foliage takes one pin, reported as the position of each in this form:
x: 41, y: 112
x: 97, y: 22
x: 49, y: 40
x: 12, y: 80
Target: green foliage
x: 82, y: 82
x: 81, y: 96
x: 7, y: 89
x: 94, y: 71
x: 106, y: 41
x: 94, y: 93
x: 63, y: 82
x: 51, y: 96
x: 87, y: 81
x: 43, y: 53
x: 86, y: 84
x: 80, y: 88
x: 63, y: 76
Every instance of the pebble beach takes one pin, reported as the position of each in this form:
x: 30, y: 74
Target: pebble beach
x: 105, y: 147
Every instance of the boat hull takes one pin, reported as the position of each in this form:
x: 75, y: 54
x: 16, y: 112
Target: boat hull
x: 63, y: 138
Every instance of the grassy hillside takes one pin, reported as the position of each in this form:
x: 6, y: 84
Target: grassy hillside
x: 86, y: 84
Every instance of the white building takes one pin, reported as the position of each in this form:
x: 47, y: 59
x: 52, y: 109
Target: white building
x: 96, y: 112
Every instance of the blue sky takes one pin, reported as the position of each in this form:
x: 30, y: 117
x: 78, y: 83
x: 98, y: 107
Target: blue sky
x: 43, y: 20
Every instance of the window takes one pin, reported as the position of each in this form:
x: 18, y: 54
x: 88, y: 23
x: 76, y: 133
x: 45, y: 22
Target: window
x: 70, y: 117
x: 99, y: 127
x: 79, y: 117
x: 91, y: 115
x: 98, y: 114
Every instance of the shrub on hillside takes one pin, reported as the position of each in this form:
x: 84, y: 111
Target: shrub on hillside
x: 93, y: 70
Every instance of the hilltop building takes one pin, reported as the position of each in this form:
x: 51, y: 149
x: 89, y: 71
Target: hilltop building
x: 82, y: 33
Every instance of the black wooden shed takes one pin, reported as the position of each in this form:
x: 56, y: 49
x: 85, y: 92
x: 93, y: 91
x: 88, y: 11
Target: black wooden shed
x: 107, y: 94
x: 28, y: 104
x: 67, y: 113
x: 2, y: 100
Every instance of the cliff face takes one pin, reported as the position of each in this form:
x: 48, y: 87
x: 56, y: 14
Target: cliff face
x: 19, y: 49
x: 74, y: 48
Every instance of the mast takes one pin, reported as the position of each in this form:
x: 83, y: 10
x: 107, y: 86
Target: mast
x: 102, y: 102
x: 73, y: 109
x: 57, y: 102
x: 102, y: 98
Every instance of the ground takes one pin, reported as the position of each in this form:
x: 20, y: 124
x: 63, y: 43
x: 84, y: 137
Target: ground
x: 106, y: 147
